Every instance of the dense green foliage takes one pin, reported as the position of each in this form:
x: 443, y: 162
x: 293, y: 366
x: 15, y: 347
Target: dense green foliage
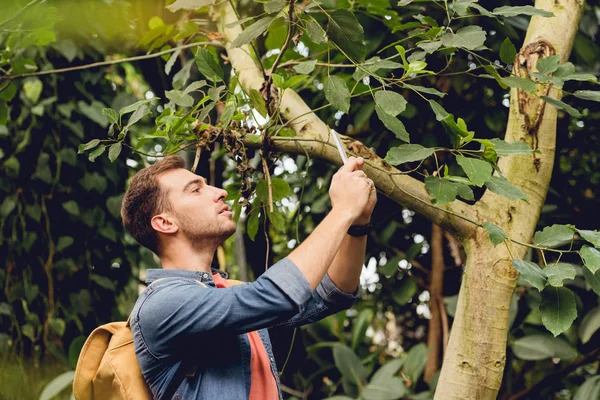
x: 68, y: 266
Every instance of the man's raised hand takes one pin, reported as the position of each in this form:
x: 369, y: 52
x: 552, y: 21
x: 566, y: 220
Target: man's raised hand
x: 351, y: 190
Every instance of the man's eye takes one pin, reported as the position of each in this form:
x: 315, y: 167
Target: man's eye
x: 196, y: 190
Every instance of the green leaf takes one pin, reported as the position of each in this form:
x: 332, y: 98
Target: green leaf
x: 75, y: 349
x: 520, y: 83
x: 315, y: 32
x: 114, y: 151
x: 407, y: 153
x: 252, y: 32
x: 562, y: 106
x: 337, y: 93
x: 274, y: 6
x: 111, y: 115
x: 189, y: 4
x: 531, y: 273
x: 252, y: 224
x: 208, y: 66
x: 57, y: 325
x: 3, y: 113
x: 587, y: 95
x: 347, y: 33
x: 593, y: 279
x: 469, y: 37
x: 388, y: 389
x: 57, y: 385
x: 478, y: 171
x: 137, y: 115
x: 87, y: 146
x: 508, y: 51
x: 8, y: 92
x: 425, y: 90
x: 64, y: 242
x: 500, y: 185
x: 405, y: 292
x: 71, y: 207
x: 8, y: 205
x: 5, y: 309
x: 548, y: 65
x: 280, y: 189
x: 591, y: 236
x: 388, y: 370
x: 441, y: 189
x: 497, y: 234
x: 33, y: 89
x: 591, y: 258
x: 390, y: 102
x: 103, y: 282
x: 589, y: 325
x: 180, y: 98
x: 227, y: 114
x: 558, y: 272
x: 503, y: 148
x: 415, y: 361
x: 359, y: 327
x: 393, y: 124
x: 590, y: 389
x: 508, y: 11
x: 554, y: 235
x: 349, y: 364
x: 135, y: 106
x: 558, y: 309
x: 541, y: 347
x: 97, y: 152
x: 305, y: 67
x: 258, y: 102
x: 93, y: 111
x: 294, y: 80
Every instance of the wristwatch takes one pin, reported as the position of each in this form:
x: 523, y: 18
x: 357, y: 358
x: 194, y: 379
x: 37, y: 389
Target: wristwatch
x: 360, y: 230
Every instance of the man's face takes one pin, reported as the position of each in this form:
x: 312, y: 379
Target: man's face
x: 197, y: 208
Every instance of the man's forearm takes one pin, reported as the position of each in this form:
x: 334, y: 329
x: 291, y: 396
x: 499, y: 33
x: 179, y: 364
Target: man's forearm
x: 315, y: 255
x: 348, y: 262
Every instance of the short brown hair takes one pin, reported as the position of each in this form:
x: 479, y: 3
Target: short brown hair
x: 144, y: 199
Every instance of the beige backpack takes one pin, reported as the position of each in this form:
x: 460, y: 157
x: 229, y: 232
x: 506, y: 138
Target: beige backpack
x: 108, y: 368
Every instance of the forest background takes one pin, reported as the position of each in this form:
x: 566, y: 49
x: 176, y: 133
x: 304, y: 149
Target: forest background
x: 479, y: 125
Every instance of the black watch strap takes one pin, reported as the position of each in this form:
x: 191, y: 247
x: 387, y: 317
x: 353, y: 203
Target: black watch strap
x: 360, y: 230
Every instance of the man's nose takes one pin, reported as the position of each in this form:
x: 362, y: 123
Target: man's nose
x: 221, y: 194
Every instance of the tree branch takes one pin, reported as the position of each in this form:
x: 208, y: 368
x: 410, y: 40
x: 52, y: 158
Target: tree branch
x: 555, y: 378
x: 288, y: 40
x: 317, y: 141
x: 110, y: 62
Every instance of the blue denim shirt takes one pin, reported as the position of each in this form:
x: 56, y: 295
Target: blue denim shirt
x: 191, y: 340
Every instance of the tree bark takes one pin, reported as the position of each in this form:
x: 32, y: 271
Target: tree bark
x: 476, y: 353
x: 436, y: 285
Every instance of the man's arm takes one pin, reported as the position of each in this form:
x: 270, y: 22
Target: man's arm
x: 348, y: 262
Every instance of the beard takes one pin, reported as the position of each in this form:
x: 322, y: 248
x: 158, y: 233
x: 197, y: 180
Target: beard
x: 202, y: 232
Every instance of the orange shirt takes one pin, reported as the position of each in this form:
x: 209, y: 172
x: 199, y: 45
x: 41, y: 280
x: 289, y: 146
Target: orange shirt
x: 262, y: 382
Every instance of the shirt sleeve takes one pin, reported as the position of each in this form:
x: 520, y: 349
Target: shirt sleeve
x: 326, y: 300
x: 181, y: 310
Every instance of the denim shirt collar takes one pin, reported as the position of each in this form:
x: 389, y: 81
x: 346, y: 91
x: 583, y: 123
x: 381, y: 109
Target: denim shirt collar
x: 155, y: 274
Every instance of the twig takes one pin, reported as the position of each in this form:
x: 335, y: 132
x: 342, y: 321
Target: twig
x: 445, y: 325
x: 292, y: 392
x: 110, y: 62
x: 47, y: 269
x: 555, y: 378
x: 268, y: 176
x: 289, y: 36
x: 15, y: 15
x: 197, y: 158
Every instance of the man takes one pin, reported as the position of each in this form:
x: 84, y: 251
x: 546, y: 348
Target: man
x: 196, y: 336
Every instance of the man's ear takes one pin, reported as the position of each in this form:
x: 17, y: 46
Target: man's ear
x: 164, y: 223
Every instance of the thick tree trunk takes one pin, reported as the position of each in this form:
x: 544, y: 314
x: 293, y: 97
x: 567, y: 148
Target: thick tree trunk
x: 476, y: 354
